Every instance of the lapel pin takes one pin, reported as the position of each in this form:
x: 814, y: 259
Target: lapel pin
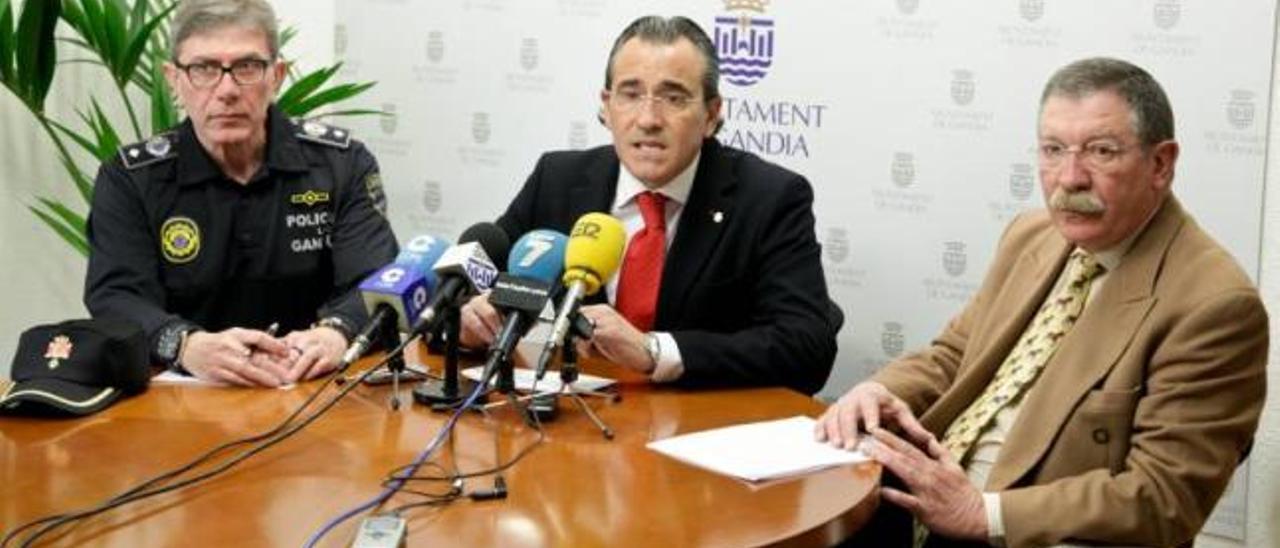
x: 717, y: 216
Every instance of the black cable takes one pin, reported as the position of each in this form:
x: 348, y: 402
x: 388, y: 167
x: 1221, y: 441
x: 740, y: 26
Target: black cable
x: 277, y: 434
x: 432, y: 499
x: 390, y: 491
x: 524, y: 451
x: 187, y: 467
x: 396, y: 474
x: 183, y: 469
x: 118, y: 501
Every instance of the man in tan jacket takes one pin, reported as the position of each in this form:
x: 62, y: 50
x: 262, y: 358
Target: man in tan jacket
x: 1107, y: 377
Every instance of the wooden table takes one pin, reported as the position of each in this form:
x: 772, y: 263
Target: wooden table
x: 575, y: 489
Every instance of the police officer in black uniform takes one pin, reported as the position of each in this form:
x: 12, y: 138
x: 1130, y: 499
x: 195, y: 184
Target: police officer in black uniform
x: 239, y: 221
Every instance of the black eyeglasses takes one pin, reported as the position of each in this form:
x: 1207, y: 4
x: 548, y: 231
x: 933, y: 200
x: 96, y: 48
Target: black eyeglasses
x: 244, y: 72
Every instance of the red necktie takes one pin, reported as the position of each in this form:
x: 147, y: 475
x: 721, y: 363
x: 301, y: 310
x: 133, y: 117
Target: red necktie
x: 642, y: 267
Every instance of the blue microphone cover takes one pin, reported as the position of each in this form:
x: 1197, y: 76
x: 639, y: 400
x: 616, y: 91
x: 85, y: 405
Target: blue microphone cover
x: 538, y: 255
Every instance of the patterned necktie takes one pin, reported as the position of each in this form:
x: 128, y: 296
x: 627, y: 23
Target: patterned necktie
x: 1028, y: 357
x: 642, y: 267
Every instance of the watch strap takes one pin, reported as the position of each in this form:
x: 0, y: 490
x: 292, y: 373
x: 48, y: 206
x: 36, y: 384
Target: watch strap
x: 337, y: 323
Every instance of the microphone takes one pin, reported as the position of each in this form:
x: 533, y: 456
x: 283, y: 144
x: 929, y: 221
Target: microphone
x: 536, y: 261
x: 464, y: 270
x: 424, y: 248
x: 591, y: 257
x: 396, y: 293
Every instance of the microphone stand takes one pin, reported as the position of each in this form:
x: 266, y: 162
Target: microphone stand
x: 500, y: 370
x: 447, y: 394
x: 581, y: 329
x: 390, y: 336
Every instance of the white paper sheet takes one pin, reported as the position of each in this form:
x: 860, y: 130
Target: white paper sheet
x: 758, y: 451
x: 549, y: 383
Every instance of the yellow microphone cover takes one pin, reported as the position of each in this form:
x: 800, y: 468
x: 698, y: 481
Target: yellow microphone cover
x: 594, y: 251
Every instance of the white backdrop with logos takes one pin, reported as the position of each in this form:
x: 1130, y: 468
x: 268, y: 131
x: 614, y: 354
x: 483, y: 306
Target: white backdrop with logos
x: 914, y: 120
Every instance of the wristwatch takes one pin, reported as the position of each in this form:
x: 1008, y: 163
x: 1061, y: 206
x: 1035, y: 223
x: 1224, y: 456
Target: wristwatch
x: 168, y: 350
x: 338, y: 324
x: 654, y: 349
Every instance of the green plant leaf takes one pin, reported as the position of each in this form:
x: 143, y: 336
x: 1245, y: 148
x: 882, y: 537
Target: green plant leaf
x: 306, y: 86
x: 73, y: 15
x: 94, y: 30
x: 138, y: 16
x: 6, y: 43
x: 78, y: 18
x: 287, y: 35
x: 86, y: 143
x: 137, y: 45
x: 77, y: 240
x: 72, y: 219
x: 108, y: 138
x: 332, y: 95
x: 355, y: 112
x: 104, y: 142
x: 116, y: 37
x: 84, y: 185
x: 35, y: 52
x: 164, y: 114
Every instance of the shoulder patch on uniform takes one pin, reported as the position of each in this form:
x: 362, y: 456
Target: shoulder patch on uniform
x: 158, y: 148
x: 325, y: 134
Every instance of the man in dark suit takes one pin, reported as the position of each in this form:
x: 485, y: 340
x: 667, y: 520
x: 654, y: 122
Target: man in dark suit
x: 1104, y: 382
x: 721, y: 283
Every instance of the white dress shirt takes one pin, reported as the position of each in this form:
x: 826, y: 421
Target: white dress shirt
x: 669, y: 366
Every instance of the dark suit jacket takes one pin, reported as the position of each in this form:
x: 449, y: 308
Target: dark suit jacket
x: 742, y: 289
x: 1136, y: 423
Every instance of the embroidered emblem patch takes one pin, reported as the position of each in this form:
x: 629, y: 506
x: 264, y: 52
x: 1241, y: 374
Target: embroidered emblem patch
x: 179, y: 240
x: 59, y: 349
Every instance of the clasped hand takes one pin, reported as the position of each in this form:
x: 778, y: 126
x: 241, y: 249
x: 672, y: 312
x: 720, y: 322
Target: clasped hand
x: 614, y: 338
x: 249, y: 357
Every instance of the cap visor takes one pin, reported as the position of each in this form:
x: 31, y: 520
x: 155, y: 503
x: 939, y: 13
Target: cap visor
x: 70, y: 397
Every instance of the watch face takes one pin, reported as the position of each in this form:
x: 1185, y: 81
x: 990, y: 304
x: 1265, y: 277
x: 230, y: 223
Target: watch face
x: 167, y: 347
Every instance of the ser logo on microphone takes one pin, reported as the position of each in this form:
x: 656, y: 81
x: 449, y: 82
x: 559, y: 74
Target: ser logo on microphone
x: 585, y: 229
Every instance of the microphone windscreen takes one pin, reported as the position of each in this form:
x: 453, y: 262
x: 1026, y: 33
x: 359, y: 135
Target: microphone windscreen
x: 492, y: 239
x: 538, y: 255
x: 422, y: 252
x: 594, y: 251
x: 402, y: 286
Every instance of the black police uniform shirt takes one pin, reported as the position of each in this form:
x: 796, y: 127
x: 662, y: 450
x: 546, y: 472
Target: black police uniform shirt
x: 174, y: 243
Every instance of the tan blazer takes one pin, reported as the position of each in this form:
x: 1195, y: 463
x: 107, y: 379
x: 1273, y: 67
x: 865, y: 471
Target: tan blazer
x: 1133, y: 429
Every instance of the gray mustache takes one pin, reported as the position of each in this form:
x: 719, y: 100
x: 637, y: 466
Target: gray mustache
x: 1082, y: 201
